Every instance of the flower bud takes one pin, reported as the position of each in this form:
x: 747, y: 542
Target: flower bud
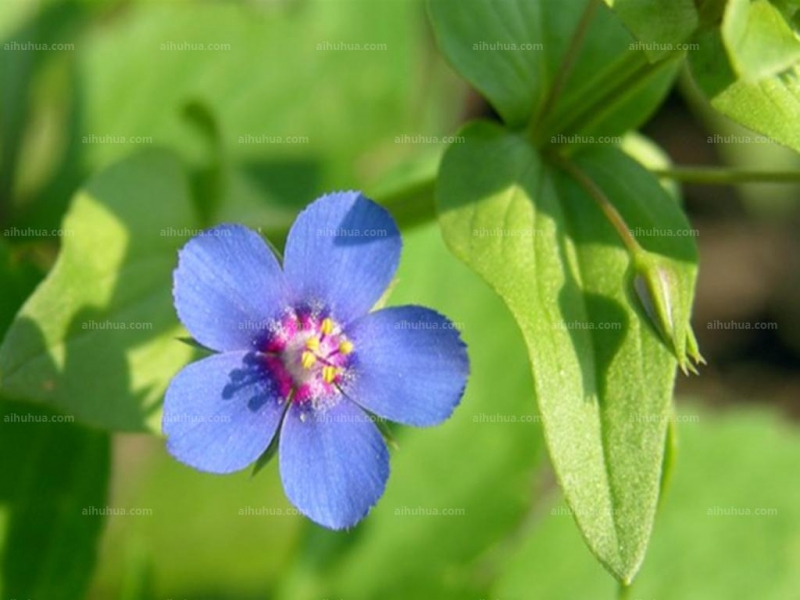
x: 658, y: 289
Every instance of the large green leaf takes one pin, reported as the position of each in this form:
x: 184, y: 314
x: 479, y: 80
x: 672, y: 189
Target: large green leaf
x: 749, y: 77
x: 53, y: 501
x: 603, y: 377
x: 457, y: 490
x: 759, y: 41
x: 513, y: 52
x: 97, y: 338
x: 723, y: 533
x: 660, y: 26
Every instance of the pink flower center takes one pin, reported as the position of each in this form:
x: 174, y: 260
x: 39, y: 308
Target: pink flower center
x: 308, y: 356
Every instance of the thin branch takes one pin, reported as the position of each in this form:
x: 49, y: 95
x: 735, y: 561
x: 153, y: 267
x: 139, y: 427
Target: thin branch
x: 611, y: 213
x: 722, y: 176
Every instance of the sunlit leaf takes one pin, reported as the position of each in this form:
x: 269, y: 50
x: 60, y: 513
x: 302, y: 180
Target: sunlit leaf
x: 602, y: 375
x: 97, y: 338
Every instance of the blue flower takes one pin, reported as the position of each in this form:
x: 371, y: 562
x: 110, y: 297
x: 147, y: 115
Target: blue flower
x: 299, y: 357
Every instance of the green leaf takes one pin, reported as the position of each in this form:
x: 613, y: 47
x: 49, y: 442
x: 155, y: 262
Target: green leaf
x: 603, y: 377
x: 674, y: 25
x: 458, y: 490
x: 513, y: 52
x: 759, y: 41
x: 97, y: 338
x: 764, y: 99
x: 19, y: 279
x: 709, y: 543
x: 53, y: 494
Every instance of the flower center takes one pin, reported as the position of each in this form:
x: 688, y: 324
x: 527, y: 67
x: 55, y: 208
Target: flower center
x: 308, y: 356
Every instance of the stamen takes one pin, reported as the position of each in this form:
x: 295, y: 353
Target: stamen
x: 312, y: 358
x: 326, y: 327
x: 308, y: 359
x: 329, y: 374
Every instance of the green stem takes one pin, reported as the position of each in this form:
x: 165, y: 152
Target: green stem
x: 568, y: 62
x: 722, y: 176
x: 624, y: 591
x: 611, y: 213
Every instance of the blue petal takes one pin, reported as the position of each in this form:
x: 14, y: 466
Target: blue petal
x: 342, y: 252
x: 227, y: 287
x: 334, y: 463
x: 410, y: 365
x: 221, y: 413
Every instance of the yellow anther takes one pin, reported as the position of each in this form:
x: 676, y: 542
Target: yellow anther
x: 308, y: 359
x: 326, y: 327
x: 312, y: 343
x: 346, y: 347
x: 329, y: 374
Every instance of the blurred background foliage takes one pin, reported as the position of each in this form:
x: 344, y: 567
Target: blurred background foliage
x: 269, y: 73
